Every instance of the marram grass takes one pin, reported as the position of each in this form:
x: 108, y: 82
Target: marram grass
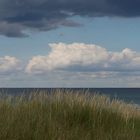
x: 66, y: 115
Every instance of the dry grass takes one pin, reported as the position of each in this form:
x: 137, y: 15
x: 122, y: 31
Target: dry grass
x: 66, y: 115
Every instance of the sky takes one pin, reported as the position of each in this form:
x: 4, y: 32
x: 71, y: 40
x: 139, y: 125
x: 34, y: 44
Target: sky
x: 70, y: 43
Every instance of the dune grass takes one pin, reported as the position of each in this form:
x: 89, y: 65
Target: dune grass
x: 66, y: 115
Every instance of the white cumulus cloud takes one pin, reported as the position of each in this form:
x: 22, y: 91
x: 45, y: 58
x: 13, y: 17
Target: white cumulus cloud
x: 9, y: 64
x: 84, y: 57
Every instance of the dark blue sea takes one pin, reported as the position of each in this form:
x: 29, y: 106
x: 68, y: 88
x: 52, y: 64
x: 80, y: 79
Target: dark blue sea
x: 130, y: 95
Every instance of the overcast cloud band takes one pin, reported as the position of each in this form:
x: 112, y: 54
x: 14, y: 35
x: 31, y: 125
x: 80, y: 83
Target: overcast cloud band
x: 44, y: 15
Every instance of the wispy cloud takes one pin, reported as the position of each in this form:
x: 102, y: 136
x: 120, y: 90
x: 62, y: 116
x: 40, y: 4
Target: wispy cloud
x: 44, y: 15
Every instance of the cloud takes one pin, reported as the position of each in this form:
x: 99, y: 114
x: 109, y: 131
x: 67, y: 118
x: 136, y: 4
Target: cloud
x: 44, y: 15
x: 13, y: 30
x: 9, y: 65
x: 80, y: 57
x: 73, y: 65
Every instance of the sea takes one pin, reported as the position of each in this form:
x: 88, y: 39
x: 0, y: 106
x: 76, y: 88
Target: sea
x: 129, y: 95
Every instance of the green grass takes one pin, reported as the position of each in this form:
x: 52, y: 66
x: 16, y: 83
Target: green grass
x: 66, y: 115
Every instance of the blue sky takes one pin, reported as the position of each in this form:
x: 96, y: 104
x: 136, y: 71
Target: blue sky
x: 81, y: 51
x: 114, y: 34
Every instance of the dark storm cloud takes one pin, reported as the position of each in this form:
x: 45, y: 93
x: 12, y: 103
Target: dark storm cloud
x: 42, y: 15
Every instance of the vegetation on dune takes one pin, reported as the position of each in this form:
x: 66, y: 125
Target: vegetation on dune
x: 65, y: 115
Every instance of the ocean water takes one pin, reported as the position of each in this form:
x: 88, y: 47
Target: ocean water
x: 130, y: 95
